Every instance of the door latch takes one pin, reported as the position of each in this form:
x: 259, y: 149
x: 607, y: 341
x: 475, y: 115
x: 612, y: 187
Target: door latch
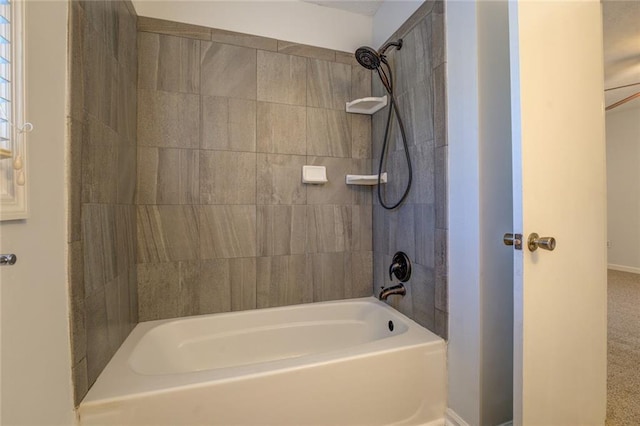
x: 514, y: 240
x: 8, y: 259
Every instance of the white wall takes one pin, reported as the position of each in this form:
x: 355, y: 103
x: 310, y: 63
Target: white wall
x: 289, y: 20
x: 480, y: 212
x: 496, y: 213
x: 623, y: 188
x: 464, y: 210
x: 36, y: 358
x: 389, y: 17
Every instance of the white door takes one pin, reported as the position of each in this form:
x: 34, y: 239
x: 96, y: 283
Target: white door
x: 559, y: 191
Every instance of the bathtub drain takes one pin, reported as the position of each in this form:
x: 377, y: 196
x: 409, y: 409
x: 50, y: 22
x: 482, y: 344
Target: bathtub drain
x: 390, y: 325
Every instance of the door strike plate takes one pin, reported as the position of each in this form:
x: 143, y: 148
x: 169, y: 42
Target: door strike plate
x: 514, y: 240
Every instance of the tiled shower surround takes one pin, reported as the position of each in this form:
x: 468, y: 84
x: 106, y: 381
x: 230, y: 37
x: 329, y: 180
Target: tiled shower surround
x: 102, y: 167
x: 419, y: 226
x: 187, y: 146
x: 225, y: 123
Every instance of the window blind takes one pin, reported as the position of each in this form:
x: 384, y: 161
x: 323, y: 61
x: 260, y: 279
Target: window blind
x: 6, y: 57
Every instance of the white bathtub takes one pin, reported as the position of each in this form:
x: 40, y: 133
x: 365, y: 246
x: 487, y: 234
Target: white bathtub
x: 330, y: 363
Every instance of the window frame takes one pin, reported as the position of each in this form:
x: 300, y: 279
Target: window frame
x: 14, y: 206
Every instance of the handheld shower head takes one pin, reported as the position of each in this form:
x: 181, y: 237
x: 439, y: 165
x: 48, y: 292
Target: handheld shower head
x: 375, y: 60
x: 368, y: 57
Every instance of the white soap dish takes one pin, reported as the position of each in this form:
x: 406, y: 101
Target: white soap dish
x: 314, y: 174
x: 366, y: 179
x: 367, y: 105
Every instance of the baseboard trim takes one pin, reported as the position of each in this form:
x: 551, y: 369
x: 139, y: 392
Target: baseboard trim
x: 623, y: 268
x: 509, y: 423
x: 451, y: 418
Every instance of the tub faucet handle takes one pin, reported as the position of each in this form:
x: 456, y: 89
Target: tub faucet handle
x: 393, y: 269
x: 400, y: 267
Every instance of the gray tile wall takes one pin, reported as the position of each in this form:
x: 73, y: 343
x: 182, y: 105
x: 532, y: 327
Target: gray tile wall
x: 419, y: 226
x: 226, y: 121
x: 102, y: 168
x: 192, y: 202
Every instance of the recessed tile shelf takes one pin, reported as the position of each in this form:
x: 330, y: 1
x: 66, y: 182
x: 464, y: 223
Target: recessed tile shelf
x: 368, y: 105
x: 365, y: 179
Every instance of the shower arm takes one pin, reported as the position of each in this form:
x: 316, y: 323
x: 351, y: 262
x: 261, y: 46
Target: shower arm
x: 383, y: 57
x: 387, y: 45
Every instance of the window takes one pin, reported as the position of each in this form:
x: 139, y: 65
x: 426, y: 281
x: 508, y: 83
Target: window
x: 5, y: 73
x: 12, y: 127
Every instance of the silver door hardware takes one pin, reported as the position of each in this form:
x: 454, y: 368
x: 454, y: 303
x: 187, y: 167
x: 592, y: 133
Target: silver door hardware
x: 8, y: 259
x: 534, y: 241
x: 514, y: 240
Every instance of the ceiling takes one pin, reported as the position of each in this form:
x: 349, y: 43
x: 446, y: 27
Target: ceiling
x: 361, y: 7
x: 621, y: 30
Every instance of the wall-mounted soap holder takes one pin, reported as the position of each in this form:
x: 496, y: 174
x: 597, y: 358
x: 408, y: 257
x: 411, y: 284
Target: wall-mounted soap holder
x: 365, y: 179
x: 316, y: 175
x: 368, y: 105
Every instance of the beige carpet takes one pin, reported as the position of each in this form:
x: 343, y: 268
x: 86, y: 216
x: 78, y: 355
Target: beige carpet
x: 623, y: 384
